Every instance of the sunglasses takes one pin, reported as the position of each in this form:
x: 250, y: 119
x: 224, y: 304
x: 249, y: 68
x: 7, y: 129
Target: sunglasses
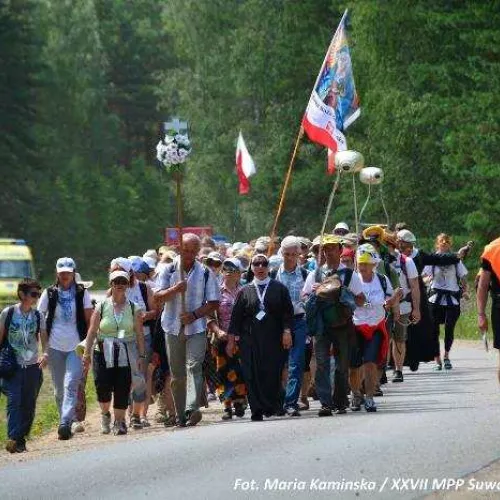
x: 260, y: 264
x: 35, y: 294
x: 230, y: 270
x: 120, y: 281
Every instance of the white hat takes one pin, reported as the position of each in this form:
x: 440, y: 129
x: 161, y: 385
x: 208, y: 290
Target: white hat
x: 150, y: 261
x: 290, y: 242
x: 341, y: 225
x: 65, y: 265
x: 119, y: 274
x: 215, y: 256
x: 406, y: 236
x: 151, y: 254
x: 85, y: 284
x: 122, y: 262
x: 236, y: 263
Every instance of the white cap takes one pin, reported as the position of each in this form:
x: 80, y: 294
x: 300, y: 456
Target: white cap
x: 215, y: 256
x: 122, y: 262
x: 65, y: 265
x: 119, y: 274
x: 151, y: 254
x: 150, y: 261
x: 290, y: 242
x: 341, y: 225
x: 233, y: 261
x: 406, y: 236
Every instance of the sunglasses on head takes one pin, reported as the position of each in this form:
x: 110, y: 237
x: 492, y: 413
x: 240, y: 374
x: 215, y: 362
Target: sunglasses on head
x: 120, y: 281
x: 260, y: 263
x: 230, y: 270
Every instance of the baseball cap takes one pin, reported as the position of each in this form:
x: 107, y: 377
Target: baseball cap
x: 214, y: 256
x: 140, y: 266
x: 331, y: 239
x: 122, y: 262
x: 233, y: 262
x: 151, y: 262
x: 406, y: 236
x: 65, y: 265
x: 119, y: 274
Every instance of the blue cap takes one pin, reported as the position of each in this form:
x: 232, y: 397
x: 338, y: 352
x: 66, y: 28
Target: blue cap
x: 139, y: 266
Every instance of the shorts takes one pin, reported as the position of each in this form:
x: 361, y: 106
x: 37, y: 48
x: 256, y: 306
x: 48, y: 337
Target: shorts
x: 111, y: 382
x: 495, y: 324
x: 399, y: 332
x: 366, y: 351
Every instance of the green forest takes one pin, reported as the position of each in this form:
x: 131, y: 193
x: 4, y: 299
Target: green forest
x: 85, y: 86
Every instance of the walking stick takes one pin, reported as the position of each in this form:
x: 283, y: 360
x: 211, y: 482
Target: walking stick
x: 178, y: 180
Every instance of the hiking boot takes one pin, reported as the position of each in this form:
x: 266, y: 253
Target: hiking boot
x: 193, y: 418
x: 77, y: 427
x: 120, y: 428
x: 447, y: 364
x: 325, y: 411
x: 135, y: 422
x: 228, y: 414
x: 64, y: 432
x: 356, y: 402
x: 370, y: 406
x: 239, y: 410
x: 398, y: 377
x: 106, y: 423
x: 11, y: 446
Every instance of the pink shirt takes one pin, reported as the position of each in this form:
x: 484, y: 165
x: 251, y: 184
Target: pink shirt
x: 227, y: 300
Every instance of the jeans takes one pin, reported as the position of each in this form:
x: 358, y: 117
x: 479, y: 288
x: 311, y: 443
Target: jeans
x: 343, y: 340
x: 185, y: 356
x: 21, y: 391
x: 67, y: 370
x: 296, y: 359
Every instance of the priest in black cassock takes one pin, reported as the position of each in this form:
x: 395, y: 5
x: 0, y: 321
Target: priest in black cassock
x: 262, y: 319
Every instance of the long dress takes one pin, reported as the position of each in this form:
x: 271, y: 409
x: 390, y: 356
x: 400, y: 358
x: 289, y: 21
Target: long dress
x: 261, y: 350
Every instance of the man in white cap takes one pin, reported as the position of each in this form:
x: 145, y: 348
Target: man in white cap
x: 294, y: 277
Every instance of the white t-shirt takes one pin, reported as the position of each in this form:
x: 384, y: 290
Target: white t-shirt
x: 64, y: 334
x: 405, y: 307
x: 373, y: 312
x: 445, y: 278
x: 355, y: 286
x: 134, y: 295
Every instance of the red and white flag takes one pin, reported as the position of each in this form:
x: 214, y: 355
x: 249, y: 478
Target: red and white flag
x: 330, y: 162
x: 245, y: 166
x: 334, y: 102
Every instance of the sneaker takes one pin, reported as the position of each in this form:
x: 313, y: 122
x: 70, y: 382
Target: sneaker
x: 145, y: 422
x: 370, y: 406
x: 228, y: 414
x: 378, y: 393
x: 292, y: 412
x: 383, y: 378
x: 135, y: 422
x: 356, y: 402
x: 281, y: 412
x: 64, y: 432
x: 257, y: 417
x: 120, y: 428
x: 77, y: 427
x: 438, y: 367
x: 21, y: 445
x: 398, y: 377
x: 341, y: 410
x: 239, y: 410
x: 106, y: 423
x: 11, y: 446
x: 447, y: 364
x: 193, y: 418
x: 325, y: 412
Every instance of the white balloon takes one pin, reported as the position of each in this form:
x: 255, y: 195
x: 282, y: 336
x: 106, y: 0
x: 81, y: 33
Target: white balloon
x: 349, y: 161
x: 371, y: 175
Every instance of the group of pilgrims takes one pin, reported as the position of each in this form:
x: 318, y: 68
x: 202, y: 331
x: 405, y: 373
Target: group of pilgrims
x: 264, y: 327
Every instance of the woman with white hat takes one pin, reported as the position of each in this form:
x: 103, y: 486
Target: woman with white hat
x: 67, y: 308
x: 117, y: 326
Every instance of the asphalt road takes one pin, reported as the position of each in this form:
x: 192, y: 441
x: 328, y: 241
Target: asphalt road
x: 436, y: 425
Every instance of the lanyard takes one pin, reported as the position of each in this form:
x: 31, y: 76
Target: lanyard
x: 261, y: 296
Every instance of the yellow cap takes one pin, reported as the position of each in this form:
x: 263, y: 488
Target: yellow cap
x: 367, y: 254
x: 377, y: 231
x: 331, y: 239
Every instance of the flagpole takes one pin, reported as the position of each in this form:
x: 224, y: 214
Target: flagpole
x: 297, y: 143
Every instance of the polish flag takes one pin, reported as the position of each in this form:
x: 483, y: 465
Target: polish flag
x: 245, y: 166
x: 331, y: 162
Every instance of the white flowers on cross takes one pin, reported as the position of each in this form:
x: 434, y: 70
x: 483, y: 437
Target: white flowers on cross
x: 173, y: 150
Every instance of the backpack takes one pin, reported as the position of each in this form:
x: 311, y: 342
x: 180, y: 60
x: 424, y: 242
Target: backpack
x: 8, y: 358
x: 144, y: 293
x: 81, y: 324
x: 304, y: 272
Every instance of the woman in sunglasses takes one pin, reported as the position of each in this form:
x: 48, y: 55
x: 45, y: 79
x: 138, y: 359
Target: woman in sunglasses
x: 262, y: 318
x: 22, y: 326
x: 231, y: 387
x: 117, y: 325
x: 67, y: 308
